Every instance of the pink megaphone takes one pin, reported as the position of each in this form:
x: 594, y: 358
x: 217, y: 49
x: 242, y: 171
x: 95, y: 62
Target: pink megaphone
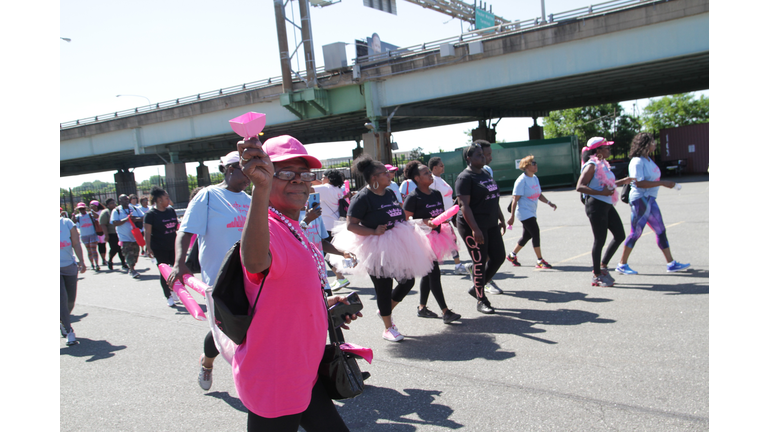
x: 249, y: 124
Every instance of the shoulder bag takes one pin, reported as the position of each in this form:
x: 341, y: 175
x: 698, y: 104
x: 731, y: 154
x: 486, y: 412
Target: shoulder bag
x: 625, y: 193
x: 338, y: 371
x: 230, y: 302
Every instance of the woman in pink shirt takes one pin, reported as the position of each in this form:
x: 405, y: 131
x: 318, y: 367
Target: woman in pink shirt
x: 279, y: 385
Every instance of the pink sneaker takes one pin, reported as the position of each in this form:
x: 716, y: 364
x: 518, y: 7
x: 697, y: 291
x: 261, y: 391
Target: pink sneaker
x: 391, y: 334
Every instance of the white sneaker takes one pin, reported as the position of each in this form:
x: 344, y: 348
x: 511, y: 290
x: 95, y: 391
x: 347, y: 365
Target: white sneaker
x: 175, y: 297
x: 71, y: 340
x: 171, y: 303
x: 339, y: 284
x: 492, y: 289
x: 205, y: 377
x: 460, y: 269
x: 391, y: 334
x: 391, y: 320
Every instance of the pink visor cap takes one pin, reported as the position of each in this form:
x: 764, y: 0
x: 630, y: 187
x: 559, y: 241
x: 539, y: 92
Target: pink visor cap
x: 286, y: 147
x: 596, y: 142
x: 390, y: 167
x: 80, y: 205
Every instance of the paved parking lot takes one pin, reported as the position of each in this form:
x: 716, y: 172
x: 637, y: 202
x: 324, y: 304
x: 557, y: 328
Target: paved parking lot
x: 559, y: 355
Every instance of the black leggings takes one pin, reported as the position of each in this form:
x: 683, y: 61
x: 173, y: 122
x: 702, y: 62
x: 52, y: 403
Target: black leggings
x: 321, y: 415
x: 603, y: 217
x: 115, y: 249
x: 530, y: 232
x: 209, y: 346
x: 431, y: 282
x: 165, y: 257
x: 67, y: 294
x: 385, y: 294
x: 487, y: 257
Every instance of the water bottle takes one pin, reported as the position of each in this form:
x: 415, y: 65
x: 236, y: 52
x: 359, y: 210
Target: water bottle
x: 678, y: 186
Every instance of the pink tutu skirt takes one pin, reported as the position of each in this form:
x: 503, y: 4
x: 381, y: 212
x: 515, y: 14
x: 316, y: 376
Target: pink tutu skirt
x: 403, y: 252
x: 443, y: 243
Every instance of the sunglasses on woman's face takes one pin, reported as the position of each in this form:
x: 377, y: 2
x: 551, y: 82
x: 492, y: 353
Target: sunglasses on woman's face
x: 534, y: 163
x: 289, y: 175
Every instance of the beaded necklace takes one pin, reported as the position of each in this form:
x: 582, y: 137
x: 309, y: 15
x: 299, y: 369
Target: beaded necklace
x: 304, y: 242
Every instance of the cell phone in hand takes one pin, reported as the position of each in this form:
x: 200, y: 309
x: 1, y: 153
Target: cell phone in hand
x: 314, y: 199
x: 340, y: 311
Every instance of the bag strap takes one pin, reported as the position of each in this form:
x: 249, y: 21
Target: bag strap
x: 331, y: 331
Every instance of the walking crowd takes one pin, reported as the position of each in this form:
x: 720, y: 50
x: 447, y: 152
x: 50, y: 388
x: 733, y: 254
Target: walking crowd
x: 293, y: 227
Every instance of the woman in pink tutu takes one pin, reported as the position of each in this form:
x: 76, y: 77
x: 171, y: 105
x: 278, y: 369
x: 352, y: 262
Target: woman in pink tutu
x: 386, y: 246
x: 423, y: 204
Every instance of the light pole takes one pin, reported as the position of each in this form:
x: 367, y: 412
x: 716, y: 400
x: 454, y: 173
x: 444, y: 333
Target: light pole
x: 148, y: 101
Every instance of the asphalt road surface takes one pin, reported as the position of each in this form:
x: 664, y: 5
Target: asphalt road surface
x: 559, y: 354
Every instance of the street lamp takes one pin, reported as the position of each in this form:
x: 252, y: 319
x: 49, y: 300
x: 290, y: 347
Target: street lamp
x: 66, y: 39
x: 148, y: 102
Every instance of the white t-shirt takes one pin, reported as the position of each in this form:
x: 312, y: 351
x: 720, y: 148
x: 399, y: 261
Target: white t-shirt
x: 217, y: 216
x: 445, y: 190
x: 329, y: 201
x: 529, y: 190
x: 396, y: 190
x: 124, y: 230
x: 407, y: 187
x: 643, y: 169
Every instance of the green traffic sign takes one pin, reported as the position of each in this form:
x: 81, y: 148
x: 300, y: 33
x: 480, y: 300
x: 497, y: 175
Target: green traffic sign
x: 484, y: 19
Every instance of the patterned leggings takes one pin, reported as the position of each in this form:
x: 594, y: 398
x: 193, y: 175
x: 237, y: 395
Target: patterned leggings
x: 646, y: 211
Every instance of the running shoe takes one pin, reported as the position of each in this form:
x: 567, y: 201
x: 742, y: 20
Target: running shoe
x: 624, y: 269
x: 134, y: 274
x: 492, y: 289
x: 124, y: 267
x: 472, y: 292
x: 607, y: 276
x: 484, y: 306
x: 543, y: 265
x: 513, y: 259
x: 175, y: 297
x: 425, y: 313
x: 171, y: 303
x: 205, y: 377
x: 675, y: 266
x: 71, y: 339
x: 391, y: 334
x: 109, y: 265
x: 460, y: 269
x: 601, y: 281
x: 339, y: 284
x: 449, y: 316
x: 98, y: 268
x: 63, y: 330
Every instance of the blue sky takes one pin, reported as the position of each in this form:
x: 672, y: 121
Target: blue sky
x: 164, y: 50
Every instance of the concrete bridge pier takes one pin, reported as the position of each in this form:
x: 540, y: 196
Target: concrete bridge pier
x: 535, y: 132
x: 203, y: 176
x: 176, y: 181
x: 125, y: 182
x: 377, y: 144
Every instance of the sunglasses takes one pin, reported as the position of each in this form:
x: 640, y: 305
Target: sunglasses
x: 289, y: 175
x: 534, y: 163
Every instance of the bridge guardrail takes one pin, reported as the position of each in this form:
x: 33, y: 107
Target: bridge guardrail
x: 365, y: 62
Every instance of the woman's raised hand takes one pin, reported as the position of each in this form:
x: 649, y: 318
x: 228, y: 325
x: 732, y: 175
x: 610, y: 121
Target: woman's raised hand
x: 255, y: 163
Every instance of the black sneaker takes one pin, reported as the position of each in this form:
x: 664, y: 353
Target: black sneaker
x: 472, y: 292
x: 449, y: 316
x: 425, y: 313
x: 109, y: 264
x: 484, y: 306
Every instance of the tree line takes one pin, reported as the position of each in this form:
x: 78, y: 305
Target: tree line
x: 613, y: 123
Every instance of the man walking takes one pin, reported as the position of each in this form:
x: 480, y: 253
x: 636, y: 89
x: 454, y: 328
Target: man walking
x: 120, y: 219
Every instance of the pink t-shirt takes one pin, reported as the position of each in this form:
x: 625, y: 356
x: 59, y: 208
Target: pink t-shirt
x: 276, y: 366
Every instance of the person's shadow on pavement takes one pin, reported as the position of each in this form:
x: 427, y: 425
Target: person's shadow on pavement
x: 379, y: 403
x: 95, y: 349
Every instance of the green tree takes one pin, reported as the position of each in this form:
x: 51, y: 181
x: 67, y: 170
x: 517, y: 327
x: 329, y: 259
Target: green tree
x: 416, y: 154
x: 191, y: 181
x: 606, y: 120
x: 673, y: 111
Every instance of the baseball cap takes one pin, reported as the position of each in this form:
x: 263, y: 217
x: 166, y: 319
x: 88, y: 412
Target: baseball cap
x: 285, y: 147
x: 390, y: 167
x: 230, y: 158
